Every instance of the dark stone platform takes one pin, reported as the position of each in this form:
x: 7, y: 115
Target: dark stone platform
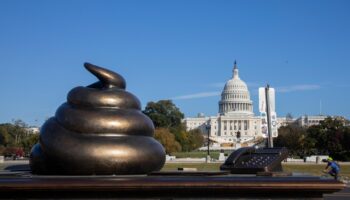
x: 165, y: 185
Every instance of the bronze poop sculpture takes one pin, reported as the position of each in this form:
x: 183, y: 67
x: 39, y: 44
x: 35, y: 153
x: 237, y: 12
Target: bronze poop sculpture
x: 99, y: 130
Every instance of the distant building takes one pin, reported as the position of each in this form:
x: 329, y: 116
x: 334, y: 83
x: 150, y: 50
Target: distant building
x: 281, y: 121
x: 200, y: 122
x: 33, y: 129
x: 284, y: 121
x: 235, y: 123
x: 309, y: 120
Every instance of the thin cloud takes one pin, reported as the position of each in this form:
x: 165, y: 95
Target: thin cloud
x: 197, y: 95
x: 217, y: 84
x: 285, y: 89
x: 296, y: 88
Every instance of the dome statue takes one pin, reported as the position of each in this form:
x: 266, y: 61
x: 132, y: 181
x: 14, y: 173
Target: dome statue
x: 235, y: 97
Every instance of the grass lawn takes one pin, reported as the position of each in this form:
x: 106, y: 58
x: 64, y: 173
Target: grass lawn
x: 315, y: 169
x: 300, y: 168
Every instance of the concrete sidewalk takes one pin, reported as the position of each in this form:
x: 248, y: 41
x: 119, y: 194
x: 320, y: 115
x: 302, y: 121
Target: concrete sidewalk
x: 342, y: 195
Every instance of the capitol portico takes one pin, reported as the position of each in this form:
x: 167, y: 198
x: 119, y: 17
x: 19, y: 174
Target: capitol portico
x: 235, y: 117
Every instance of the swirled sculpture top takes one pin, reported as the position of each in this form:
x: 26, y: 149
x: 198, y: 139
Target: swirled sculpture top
x: 99, y: 130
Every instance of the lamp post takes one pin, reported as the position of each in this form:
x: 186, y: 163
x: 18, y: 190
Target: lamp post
x: 238, y: 136
x: 207, y: 126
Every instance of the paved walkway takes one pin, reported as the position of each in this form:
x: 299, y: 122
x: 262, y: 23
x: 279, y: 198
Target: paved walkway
x: 344, y: 194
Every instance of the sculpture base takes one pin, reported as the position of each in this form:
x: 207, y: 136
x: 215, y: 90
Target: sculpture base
x: 202, y: 185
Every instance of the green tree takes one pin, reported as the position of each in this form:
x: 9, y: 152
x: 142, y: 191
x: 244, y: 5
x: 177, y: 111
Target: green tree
x: 345, y: 155
x: 332, y: 123
x: 346, y: 140
x: 29, y: 141
x: 8, y: 135
x: 2, y: 150
x: 16, y: 136
x: 18, y: 131
x: 330, y: 135
x: 319, y: 136
x: 4, y: 136
x: 292, y: 137
x: 167, y: 139
x: 164, y: 113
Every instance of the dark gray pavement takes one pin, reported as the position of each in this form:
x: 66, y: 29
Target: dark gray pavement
x: 344, y: 194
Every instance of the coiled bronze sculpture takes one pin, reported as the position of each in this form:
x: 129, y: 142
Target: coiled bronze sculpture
x: 99, y: 130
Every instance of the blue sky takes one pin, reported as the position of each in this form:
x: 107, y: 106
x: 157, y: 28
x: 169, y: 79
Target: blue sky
x: 180, y: 50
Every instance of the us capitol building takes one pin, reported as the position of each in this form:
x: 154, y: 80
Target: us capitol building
x: 235, y: 125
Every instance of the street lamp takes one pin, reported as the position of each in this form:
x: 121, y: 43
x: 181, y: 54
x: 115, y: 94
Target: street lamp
x: 207, y: 126
x: 238, y: 136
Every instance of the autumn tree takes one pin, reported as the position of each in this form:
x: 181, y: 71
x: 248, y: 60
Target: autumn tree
x: 196, y: 139
x: 167, y: 139
x: 167, y: 118
x: 189, y: 140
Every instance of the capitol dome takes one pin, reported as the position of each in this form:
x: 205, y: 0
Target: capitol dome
x: 235, y: 98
